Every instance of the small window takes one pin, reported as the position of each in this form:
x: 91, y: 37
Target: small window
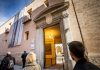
x: 5, y: 40
x: 10, y: 24
x: 7, y: 30
x: 30, y: 12
x: 46, y: 3
x: 26, y: 35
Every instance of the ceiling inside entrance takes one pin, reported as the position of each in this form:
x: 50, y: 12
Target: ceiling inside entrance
x: 52, y: 32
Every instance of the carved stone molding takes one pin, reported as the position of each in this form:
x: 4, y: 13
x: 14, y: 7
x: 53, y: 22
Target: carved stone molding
x: 59, y: 17
x: 51, y: 9
x: 55, y: 19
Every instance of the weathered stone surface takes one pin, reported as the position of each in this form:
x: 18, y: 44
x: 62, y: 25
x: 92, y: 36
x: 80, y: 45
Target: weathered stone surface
x: 52, y: 2
x: 88, y: 12
x: 95, y: 60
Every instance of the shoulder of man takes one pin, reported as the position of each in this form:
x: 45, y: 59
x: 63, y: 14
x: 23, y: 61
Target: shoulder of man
x: 5, y: 59
x: 22, y: 55
x: 5, y: 62
x: 91, y: 66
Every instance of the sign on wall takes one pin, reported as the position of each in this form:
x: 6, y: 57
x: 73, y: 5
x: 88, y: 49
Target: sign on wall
x: 32, y: 44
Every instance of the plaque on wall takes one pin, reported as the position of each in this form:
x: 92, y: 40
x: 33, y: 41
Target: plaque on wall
x: 32, y: 44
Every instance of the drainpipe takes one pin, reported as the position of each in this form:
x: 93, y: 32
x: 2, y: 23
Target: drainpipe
x: 86, y: 53
x: 77, y: 21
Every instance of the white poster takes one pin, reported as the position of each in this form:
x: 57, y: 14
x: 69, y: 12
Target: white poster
x: 32, y: 44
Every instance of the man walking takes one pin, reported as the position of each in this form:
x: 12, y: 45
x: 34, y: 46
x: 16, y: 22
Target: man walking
x: 24, y: 58
x: 77, y: 51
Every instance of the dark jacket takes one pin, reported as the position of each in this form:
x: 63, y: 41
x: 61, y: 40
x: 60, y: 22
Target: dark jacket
x: 5, y: 62
x: 24, y: 56
x: 83, y: 64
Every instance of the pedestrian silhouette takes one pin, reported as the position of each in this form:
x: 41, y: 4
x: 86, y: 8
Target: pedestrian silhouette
x: 23, y: 56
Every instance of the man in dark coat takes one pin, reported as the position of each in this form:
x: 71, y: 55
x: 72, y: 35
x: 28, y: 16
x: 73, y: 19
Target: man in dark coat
x: 8, y: 62
x: 77, y: 51
x: 24, y: 58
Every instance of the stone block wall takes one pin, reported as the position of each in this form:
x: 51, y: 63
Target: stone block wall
x: 18, y: 58
x: 95, y: 60
x: 52, y: 2
x: 88, y: 13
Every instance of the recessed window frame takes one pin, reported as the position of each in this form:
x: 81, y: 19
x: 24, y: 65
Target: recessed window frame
x: 27, y: 35
x: 30, y: 12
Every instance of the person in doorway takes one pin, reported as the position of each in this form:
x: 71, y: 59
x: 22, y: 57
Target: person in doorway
x: 77, y: 51
x: 23, y: 56
x: 31, y: 63
x: 8, y: 62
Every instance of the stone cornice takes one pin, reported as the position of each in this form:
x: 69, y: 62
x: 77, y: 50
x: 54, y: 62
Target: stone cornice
x: 51, y: 9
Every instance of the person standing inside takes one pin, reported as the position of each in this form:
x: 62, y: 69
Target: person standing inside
x: 23, y: 56
x: 77, y: 52
x: 8, y: 62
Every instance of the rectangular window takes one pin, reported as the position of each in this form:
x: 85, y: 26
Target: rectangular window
x: 26, y: 35
x: 30, y: 12
x: 10, y: 24
x: 46, y: 3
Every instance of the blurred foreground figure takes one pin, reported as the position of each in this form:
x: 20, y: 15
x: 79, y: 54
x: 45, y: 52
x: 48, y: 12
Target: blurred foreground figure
x: 8, y: 62
x: 31, y: 63
x: 77, y: 51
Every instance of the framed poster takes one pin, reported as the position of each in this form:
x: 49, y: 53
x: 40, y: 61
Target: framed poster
x: 59, y: 49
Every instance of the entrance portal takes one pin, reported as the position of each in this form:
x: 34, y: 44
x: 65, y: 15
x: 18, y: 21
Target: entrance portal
x: 53, y: 47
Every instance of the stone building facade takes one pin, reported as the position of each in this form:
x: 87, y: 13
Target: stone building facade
x: 88, y: 14
x: 78, y: 20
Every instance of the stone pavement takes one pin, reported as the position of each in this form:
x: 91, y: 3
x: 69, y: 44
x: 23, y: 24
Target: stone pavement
x: 17, y: 67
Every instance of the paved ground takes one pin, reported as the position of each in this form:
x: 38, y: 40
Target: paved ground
x: 16, y: 67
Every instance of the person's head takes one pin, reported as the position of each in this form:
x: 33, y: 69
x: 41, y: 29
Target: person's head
x: 8, y: 53
x: 24, y: 51
x: 31, y: 57
x: 77, y: 50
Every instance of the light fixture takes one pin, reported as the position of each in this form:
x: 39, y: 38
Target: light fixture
x: 51, y: 36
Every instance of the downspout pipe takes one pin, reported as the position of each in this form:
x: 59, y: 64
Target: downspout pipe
x: 78, y: 21
x: 86, y: 55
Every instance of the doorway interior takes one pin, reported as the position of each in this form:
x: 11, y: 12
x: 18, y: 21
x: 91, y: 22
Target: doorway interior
x: 53, y: 47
